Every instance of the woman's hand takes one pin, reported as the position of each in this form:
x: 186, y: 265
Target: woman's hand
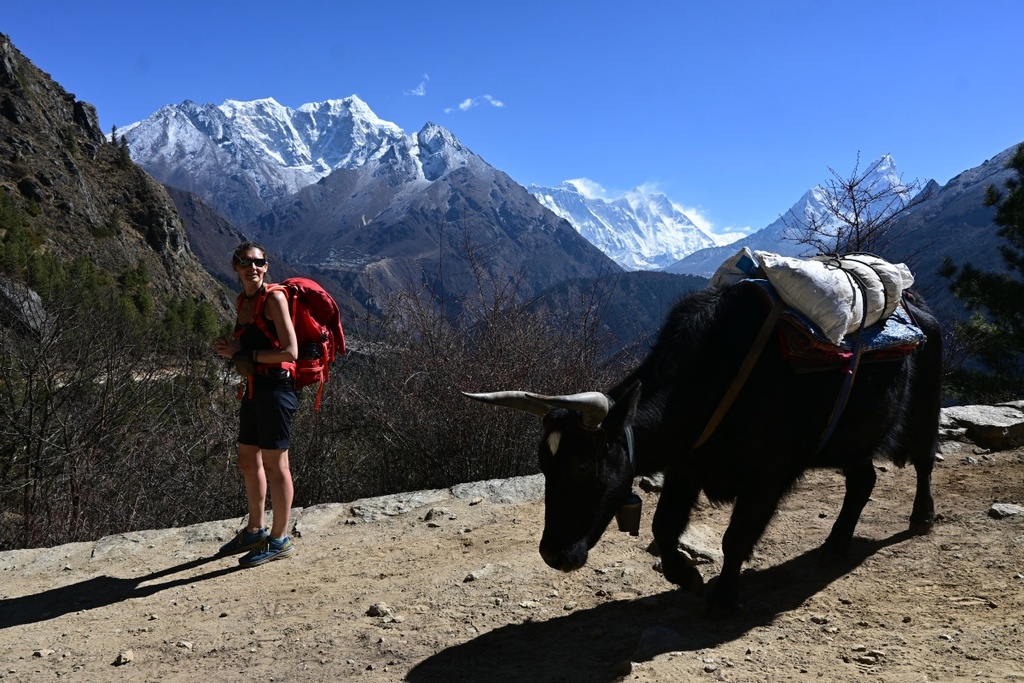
x: 226, y: 346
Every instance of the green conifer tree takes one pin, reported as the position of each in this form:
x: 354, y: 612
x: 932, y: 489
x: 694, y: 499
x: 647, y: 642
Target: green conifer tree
x: 997, y: 298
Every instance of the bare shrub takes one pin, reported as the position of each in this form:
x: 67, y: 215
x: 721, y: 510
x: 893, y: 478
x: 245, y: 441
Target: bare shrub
x: 99, y: 434
x: 394, y: 418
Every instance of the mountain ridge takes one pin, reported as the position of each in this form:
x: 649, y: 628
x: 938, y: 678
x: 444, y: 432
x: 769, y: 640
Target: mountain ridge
x: 640, y: 230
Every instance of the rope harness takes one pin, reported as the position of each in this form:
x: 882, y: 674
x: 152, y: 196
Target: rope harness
x: 756, y: 348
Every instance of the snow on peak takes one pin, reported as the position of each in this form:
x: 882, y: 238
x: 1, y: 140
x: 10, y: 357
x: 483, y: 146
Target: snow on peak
x: 787, y: 234
x: 439, y: 151
x: 278, y: 148
x: 640, y: 230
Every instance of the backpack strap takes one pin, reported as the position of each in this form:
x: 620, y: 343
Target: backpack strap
x: 261, y: 324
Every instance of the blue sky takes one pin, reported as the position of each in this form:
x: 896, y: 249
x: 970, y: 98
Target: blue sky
x: 731, y: 108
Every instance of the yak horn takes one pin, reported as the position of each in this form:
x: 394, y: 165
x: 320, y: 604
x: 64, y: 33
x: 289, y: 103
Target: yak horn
x: 593, y: 405
x: 520, y: 400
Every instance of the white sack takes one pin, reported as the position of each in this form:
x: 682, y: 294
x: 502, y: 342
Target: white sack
x: 822, y: 292
x: 739, y: 266
x: 826, y: 290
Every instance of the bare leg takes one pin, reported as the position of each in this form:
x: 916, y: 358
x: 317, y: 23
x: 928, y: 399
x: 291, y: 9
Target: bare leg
x: 279, y: 478
x: 250, y: 462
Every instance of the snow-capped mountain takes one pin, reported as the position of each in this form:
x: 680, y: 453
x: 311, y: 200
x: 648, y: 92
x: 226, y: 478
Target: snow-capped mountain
x: 240, y: 157
x: 331, y: 188
x: 783, y: 235
x: 640, y: 230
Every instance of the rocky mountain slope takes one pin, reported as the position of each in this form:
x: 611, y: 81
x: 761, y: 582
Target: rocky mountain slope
x: 954, y: 222
x: 81, y: 194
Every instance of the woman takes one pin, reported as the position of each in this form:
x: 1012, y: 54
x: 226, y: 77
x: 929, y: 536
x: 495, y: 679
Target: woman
x: 268, y: 403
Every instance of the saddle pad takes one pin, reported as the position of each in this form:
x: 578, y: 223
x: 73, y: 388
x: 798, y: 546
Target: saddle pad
x: 804, y: 345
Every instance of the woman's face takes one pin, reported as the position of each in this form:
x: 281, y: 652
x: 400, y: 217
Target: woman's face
x: 251, y: 265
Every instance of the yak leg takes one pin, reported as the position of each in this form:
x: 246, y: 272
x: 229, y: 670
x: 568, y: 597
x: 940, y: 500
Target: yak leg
x: 923, y: 515
x: 860, y: 482
x: 750, y: 515
x: 921, y: 442
x: 671, y: 518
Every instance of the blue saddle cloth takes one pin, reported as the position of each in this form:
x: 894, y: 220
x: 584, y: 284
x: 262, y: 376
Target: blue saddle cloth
x: 806, y: 346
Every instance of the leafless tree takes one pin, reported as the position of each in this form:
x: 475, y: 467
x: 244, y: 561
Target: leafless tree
x: 861, y: 212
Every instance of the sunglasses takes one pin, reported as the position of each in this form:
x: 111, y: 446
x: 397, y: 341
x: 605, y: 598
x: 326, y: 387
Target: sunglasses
x: 246, y: 262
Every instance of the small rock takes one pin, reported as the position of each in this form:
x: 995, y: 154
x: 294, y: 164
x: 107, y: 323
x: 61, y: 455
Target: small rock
x: 477, y: 574
x: 379, y: 609
x: 476, y: 501
x: 652, y: 484
x: 435, y: 513
x: 42, y: 653
x: 1004, y: 510
x: 124, y: 657
x: 184, y: 644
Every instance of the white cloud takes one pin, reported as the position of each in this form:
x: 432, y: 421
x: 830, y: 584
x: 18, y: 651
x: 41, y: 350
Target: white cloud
x: 421, y: 89
x: 470, y: 102
x: 589, y: 189
x: 722, y: 236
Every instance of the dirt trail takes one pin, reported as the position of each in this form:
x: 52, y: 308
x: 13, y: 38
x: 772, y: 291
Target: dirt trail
x: 464, y: 596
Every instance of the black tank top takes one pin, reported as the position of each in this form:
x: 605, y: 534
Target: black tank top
x: 252, y: 337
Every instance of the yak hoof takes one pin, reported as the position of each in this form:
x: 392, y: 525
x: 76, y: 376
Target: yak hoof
x: 685, y: 576
x: 722, y: 602
x: 921, y: 528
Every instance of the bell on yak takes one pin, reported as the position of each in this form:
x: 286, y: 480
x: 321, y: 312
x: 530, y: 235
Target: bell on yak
x: 628, y: 515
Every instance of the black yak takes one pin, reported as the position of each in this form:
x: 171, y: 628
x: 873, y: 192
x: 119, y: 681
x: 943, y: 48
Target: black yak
x: 781, y: 421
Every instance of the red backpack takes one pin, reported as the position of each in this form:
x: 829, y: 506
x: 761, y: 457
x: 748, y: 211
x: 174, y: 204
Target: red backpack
x: 318, y: 329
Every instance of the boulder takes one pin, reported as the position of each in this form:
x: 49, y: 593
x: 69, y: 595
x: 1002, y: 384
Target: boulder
x: 998, y: 427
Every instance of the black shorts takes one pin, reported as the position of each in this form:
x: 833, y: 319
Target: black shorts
x: 265, y: 420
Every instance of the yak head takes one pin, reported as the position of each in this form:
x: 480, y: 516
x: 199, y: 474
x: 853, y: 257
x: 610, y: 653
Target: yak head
x: 586, y: 456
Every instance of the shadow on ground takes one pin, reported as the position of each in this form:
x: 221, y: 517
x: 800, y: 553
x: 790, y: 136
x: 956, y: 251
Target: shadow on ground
x: 96, y: 592
x: 588, y: 645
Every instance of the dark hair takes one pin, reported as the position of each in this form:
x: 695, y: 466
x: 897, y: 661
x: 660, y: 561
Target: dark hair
x: 246, y: 246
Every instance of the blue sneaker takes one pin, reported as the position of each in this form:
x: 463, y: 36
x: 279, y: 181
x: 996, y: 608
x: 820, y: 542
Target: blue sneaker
x: 272, y: 549
x: 243, y: 541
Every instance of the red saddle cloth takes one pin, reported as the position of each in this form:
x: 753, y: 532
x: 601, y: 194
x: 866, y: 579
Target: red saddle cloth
x: 808, y: 350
